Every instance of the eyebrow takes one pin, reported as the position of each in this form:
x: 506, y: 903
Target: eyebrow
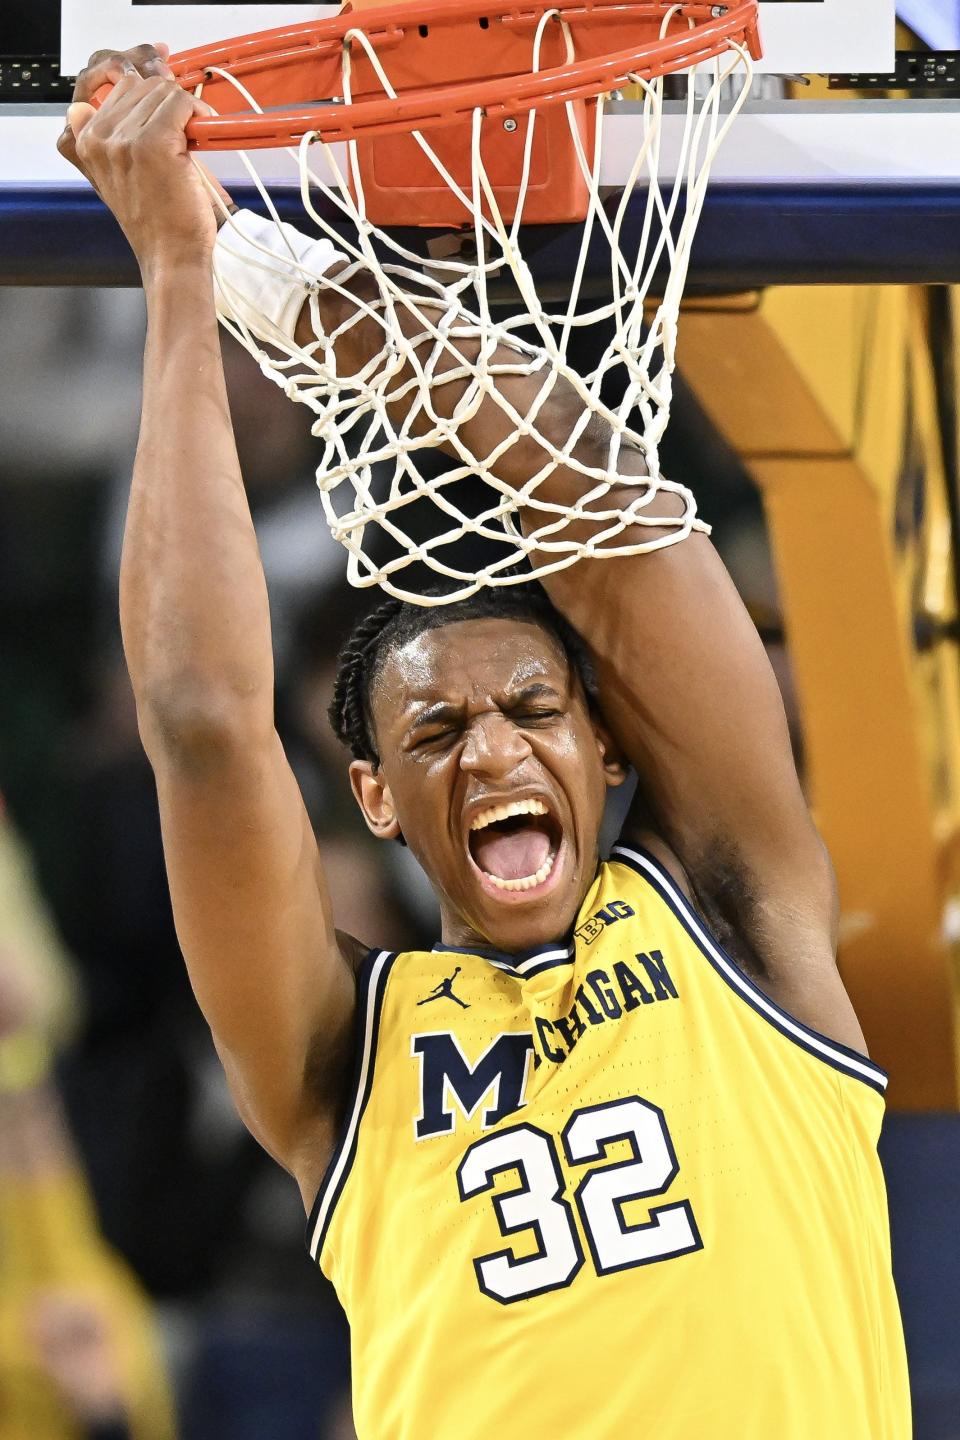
x: 539, y: 690
x: 445, y: 710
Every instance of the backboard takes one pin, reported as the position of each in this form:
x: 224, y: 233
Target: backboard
x: 854, y: 173
x: 799, y: 35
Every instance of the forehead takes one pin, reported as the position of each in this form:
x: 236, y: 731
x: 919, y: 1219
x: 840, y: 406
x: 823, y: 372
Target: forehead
x: 472, y: 658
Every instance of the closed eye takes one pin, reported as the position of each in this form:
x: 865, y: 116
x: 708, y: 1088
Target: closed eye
x: 532, y: 717
x: 435, y: 737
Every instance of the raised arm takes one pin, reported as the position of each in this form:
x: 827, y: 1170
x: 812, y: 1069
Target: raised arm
x: 687, y: 690
x: 252, y: 911
x: 686, y: 687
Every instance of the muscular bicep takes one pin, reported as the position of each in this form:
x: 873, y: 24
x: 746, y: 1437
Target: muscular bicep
x: 254, y: 921
x: 688, y: 691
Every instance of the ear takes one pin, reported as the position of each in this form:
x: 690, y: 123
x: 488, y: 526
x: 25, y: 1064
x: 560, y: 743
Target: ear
x: 372, y: 794
x: 615, y: 765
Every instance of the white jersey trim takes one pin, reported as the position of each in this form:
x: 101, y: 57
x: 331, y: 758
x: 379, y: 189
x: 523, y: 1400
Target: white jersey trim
x: 369, y: 1007
x: 850, y: 1062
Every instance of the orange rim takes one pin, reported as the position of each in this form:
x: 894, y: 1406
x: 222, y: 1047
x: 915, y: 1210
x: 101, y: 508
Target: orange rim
x: 283, y: 54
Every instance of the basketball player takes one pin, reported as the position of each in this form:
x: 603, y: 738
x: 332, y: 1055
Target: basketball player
x: 619, y: 1176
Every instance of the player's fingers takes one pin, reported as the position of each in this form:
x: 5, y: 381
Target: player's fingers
x: 112, y: 102
x: 109, y: 69
x: 131, y: 110
x: 153, y: 96
x: 130, y: 102
x: 121, y: 115
x: 79, y: 114
x: 147, y: 60
x: 173, y: 107
x: 111, y: 113
x: 152, y: 60
x: 106, y: 67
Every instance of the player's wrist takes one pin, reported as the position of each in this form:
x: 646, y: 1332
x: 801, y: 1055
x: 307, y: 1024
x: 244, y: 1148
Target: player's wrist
x: 174, y: 274
x: 175, y: 249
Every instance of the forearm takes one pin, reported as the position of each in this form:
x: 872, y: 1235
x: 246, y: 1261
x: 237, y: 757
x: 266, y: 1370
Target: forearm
x: 193, y: 601
x: 347, y: 307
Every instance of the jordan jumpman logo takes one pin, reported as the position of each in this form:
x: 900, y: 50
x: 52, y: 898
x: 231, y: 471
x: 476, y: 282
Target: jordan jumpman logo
x: 444, y: 991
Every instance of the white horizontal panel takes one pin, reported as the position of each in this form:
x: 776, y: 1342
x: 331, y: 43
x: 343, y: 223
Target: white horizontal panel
x: 88, y: 25
x: 803, y: 142
x: 814, y: 35
x: 774, y: 142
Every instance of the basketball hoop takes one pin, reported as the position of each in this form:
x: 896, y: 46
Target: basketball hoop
x: 524, y: 144
x: 598, y: 46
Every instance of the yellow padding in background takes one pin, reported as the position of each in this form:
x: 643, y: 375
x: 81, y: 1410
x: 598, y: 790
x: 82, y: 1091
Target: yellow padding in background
x: 827, y: 393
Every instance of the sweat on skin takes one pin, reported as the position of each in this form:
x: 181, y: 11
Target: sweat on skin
x: 474, y: 716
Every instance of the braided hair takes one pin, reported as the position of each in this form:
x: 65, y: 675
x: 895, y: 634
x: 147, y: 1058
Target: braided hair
x: 394, y: 623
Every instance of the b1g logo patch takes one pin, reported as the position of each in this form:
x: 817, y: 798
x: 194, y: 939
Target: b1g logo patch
x: 600, y: 919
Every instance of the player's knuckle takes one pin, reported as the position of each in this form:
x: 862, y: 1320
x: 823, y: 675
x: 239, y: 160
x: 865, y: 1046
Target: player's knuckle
x: 176, y: 104
x: 98, y: 69
x: 118, y: 143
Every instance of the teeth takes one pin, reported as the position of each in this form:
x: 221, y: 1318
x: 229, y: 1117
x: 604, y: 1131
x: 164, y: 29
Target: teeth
x: 526, y: 882
x: 504, y: 812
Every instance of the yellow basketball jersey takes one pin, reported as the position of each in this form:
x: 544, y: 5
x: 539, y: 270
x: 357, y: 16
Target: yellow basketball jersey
x: 609, y: 1189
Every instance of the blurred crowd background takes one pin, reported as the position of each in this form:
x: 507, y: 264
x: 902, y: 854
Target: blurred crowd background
x: 153, y: 1280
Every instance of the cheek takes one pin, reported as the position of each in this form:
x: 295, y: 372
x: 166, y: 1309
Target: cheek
x: 570, y: 740
x: 576, y: 759
x: 421, y: 795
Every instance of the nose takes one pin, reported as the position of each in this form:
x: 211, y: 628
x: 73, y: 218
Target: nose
x: 493, y: 746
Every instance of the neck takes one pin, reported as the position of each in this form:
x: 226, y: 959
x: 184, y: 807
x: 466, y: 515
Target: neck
x: 517, y: 934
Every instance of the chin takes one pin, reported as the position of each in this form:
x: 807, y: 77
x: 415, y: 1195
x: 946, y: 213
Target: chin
x: 524, y: 923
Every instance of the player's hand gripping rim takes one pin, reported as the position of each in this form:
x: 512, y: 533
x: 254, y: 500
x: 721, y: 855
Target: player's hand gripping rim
x: 111, y: 67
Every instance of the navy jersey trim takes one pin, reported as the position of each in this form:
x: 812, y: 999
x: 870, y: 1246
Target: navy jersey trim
x: 841, y: 1057
x: 523, y: 965
x: 371, y: 987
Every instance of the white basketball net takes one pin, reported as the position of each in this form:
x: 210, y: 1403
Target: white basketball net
x: 438, y: 315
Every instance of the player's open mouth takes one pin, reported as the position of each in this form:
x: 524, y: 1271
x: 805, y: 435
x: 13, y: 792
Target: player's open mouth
x: 515, y: 845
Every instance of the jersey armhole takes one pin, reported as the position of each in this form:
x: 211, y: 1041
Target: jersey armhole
x: 371, y: 986
x: 832, y: 1052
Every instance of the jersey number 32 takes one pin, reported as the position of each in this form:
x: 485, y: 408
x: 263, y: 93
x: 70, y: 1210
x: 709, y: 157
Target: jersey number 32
x: 538, y: 1203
